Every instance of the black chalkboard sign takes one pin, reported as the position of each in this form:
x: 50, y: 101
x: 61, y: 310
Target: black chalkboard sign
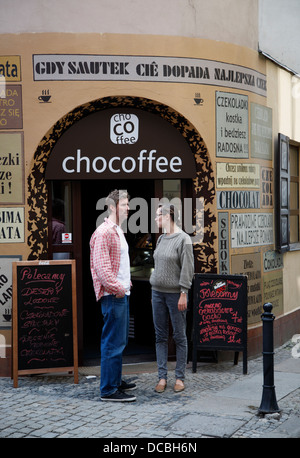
x: 220, y: 314
x: 44, y: 318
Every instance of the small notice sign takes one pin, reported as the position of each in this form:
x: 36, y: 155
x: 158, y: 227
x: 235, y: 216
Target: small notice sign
x: 232, y: 132
x: 66, y: 237
x: 11, y: 168
x: 11, y: 107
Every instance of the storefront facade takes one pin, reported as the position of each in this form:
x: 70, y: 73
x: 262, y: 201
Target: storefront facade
x: 191, y: 119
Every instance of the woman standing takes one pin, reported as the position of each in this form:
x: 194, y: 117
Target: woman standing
x: 171, y: 281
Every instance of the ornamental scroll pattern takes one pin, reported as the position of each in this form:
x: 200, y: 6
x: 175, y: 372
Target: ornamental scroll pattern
x: 204, y: 183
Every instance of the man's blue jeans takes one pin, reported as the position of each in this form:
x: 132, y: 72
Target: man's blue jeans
x: 114, y: 339
x: 163, y: 306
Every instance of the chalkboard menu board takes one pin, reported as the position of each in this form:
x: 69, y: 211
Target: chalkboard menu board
x: 44, y: 318
x: 220, y: 314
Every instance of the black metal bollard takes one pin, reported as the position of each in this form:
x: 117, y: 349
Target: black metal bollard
x: 268, y: 401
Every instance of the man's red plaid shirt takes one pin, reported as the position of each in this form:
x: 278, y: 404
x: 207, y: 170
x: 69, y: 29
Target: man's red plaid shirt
x: 105, y: 258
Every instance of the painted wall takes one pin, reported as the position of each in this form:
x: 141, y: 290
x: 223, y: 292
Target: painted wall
x: 284, y: 97
x: 230, y: 21
x: 186, y: 69
x: 220, y: 47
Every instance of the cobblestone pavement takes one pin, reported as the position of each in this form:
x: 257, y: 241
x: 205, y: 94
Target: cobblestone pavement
x: 52, y: 406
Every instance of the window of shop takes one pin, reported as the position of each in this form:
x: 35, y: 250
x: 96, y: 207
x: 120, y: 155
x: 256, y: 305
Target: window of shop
x: 172, y: 189
x: 60, y: 215
x: 294, y: 194
x: 287, y: 204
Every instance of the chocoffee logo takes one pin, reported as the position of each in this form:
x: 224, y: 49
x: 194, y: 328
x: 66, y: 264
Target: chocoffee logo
x: 124, y: 129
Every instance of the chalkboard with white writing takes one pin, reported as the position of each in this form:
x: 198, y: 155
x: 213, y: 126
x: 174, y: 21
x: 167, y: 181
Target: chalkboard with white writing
x: 220, y: 314
x: 44, y: 318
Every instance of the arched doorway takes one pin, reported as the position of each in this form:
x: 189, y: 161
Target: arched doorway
x: 201, y: 185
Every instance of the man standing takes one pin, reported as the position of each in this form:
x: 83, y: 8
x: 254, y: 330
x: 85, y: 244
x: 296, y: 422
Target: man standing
x: 110, y: 269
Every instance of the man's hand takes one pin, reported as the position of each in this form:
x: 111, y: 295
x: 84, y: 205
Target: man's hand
x: 121, y: 293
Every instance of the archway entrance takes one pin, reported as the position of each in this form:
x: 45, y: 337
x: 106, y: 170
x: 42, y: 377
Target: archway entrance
x: 76, y: 166
x: 141, y: 247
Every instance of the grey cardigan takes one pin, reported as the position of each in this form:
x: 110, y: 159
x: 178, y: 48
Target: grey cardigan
x: 173, y: 263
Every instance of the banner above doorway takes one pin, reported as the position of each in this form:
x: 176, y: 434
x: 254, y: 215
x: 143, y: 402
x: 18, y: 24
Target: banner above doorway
x: 121, y: 143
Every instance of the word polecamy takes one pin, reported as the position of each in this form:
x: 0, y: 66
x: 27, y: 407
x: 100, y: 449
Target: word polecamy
x: 33, y: 275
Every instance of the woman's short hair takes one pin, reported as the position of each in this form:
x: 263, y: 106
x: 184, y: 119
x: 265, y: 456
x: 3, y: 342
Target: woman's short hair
x: 170, y: 209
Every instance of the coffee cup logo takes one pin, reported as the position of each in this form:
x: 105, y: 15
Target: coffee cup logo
x: 124, y: 129
x: 198, y: 100
x: 45, y: 97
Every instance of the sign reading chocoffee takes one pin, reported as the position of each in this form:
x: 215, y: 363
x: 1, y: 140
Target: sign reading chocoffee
x: 121, y: 143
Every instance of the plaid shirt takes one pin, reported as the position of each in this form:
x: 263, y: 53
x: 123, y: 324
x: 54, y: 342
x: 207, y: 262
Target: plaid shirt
x: 105, y: 258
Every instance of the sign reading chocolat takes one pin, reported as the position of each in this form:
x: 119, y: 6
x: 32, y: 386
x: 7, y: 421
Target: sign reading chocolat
x: 121, y: 143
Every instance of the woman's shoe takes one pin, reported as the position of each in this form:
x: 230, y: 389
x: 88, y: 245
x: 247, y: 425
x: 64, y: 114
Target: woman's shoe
x: 178, y: 386
x: 160, y: 387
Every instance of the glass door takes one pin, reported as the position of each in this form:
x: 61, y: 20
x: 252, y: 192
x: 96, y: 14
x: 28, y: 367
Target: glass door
x: 64, y: 234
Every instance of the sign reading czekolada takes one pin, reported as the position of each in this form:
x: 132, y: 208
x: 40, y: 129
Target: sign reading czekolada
x: 121, y: 143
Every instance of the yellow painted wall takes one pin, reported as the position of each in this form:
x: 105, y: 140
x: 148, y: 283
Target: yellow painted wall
x: 38, y: 118
x: 284, y: 97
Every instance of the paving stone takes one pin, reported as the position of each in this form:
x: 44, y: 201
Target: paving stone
x: 53, y: 406
x: 208, y: 425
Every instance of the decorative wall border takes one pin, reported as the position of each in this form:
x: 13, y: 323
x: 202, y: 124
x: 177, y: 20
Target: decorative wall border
x: 204, y: 183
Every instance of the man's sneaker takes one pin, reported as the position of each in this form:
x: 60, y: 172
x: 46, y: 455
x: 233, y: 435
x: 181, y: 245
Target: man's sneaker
x: 119, y: 396
x: 127, y: 386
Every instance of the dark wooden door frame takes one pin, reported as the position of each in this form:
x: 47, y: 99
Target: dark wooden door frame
x: 76, y: 250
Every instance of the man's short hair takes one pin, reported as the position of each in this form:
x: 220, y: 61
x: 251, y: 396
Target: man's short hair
x: 114, y: 197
